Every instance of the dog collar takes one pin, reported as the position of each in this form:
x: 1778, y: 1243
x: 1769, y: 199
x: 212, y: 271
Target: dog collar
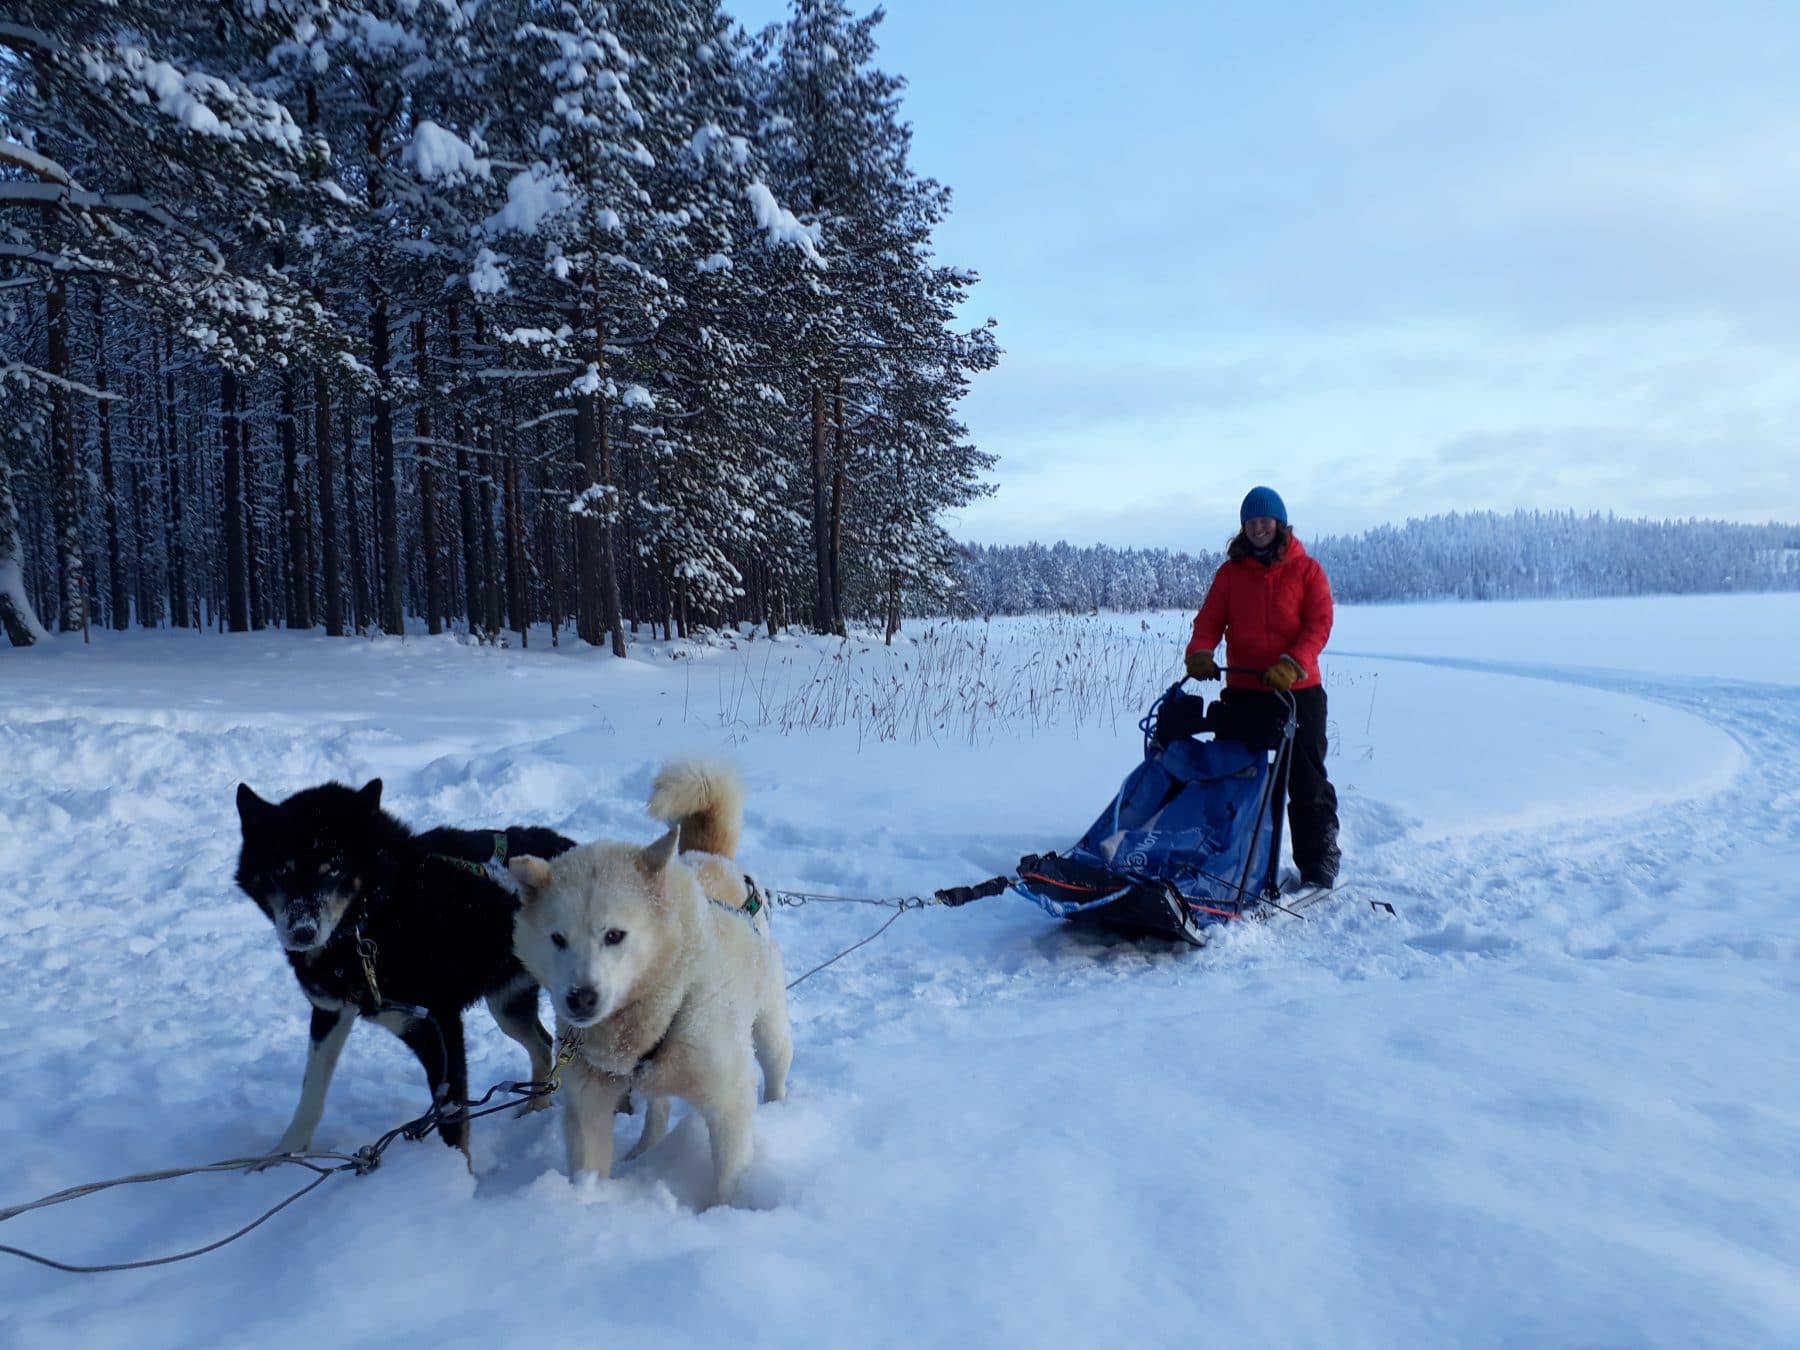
x: 649, y: 1056
x: 570, y: 1044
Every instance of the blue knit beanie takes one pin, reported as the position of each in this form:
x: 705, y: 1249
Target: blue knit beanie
x: 1262, y: 501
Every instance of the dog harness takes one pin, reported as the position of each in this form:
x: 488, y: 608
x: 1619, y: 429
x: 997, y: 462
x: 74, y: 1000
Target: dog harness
x: 494, y: 869
x: 753, y: 899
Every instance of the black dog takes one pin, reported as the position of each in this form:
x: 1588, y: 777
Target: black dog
x: 404, y: 929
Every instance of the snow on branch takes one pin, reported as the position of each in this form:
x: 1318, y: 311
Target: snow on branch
x: 36, y: 375
x: 532, y: 196
x: 377, y: 36
x: 203, y: 104
x: 24, y: 38
x: 438, y: 155
x: 713, y: 139
x: 60, y: 194
x: 782, y: 225
x: 488, y: 275
x: 11, y: 152
x: 596, y: 499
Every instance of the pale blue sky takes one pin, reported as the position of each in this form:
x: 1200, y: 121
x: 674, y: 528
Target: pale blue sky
x: 1392, y: 259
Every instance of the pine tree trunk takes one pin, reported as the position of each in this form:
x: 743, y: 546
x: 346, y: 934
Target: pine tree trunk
x: 393, y: 577
x: 254, y: 572
x: 762, y: 601
x: 205, y: 580
x: 146, y: 502
x: 322, y: 452
x: 118, y: 598
x: 516, y: 604
x: 181, y: 611
x: 838, y: 625
x: 466, y: 494
x: 609, y: 577
x: 209, y: 580
x: 590, y: 540
x: 491, y: 618
x: 551, y: 551
x: 294, y: 513
x: 361, y: 604
x: 237, y: 593
x: 309, y: 493
x: 662, y: 586
x: 468, y: 512
x: 821, y: 517
x: 328, y: 512
x: 146, y: 491
x: 72, y: 583
x: 627, y: 538
x: 894, y: 578
x: 435, y: 606
x: 598, y: 617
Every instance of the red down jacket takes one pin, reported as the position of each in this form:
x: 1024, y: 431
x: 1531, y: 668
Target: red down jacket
x: 1265, y: 613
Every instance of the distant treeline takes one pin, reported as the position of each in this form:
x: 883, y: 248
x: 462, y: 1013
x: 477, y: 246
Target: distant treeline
x: 1477, y: 556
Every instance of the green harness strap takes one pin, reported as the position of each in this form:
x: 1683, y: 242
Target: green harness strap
x: 495, y: 864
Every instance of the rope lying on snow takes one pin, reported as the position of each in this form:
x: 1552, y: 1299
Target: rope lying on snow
x: 76, y: 1192
x: 361, y: 1162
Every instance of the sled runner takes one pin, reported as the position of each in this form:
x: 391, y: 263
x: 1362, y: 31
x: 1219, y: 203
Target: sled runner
x: 1192, y: 839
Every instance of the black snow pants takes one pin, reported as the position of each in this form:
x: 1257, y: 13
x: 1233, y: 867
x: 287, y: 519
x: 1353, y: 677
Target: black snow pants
x: 1311, y: 799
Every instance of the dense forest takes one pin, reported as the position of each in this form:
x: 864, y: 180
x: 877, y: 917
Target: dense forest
x: 335, y: 312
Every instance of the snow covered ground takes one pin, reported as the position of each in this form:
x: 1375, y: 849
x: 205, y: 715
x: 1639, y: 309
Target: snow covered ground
x: 1554, y: 1100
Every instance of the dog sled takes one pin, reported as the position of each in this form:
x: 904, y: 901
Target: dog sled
x: 1192, y: 840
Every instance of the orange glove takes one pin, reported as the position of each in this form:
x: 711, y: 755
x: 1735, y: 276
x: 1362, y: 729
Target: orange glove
x: 1282, y: 676
x: 1201, y: 666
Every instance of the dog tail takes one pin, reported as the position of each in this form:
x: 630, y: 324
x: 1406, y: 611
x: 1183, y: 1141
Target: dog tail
x: 706, y: 799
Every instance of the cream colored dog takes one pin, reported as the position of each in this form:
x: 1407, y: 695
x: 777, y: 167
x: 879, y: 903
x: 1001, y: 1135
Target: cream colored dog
x: 649, y: 957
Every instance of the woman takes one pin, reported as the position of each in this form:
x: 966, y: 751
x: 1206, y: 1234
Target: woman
x: 1272, y: 605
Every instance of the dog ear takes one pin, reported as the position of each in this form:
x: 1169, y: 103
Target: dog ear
x: 654, y: 858
x: 252, y: 809
x: 369, y: 795
x: 531, y: 874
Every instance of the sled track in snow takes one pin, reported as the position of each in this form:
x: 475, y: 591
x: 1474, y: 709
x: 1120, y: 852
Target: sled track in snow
x: 1624, y: 886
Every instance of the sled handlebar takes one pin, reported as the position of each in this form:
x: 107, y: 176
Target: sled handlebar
x: 1287, y: 694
